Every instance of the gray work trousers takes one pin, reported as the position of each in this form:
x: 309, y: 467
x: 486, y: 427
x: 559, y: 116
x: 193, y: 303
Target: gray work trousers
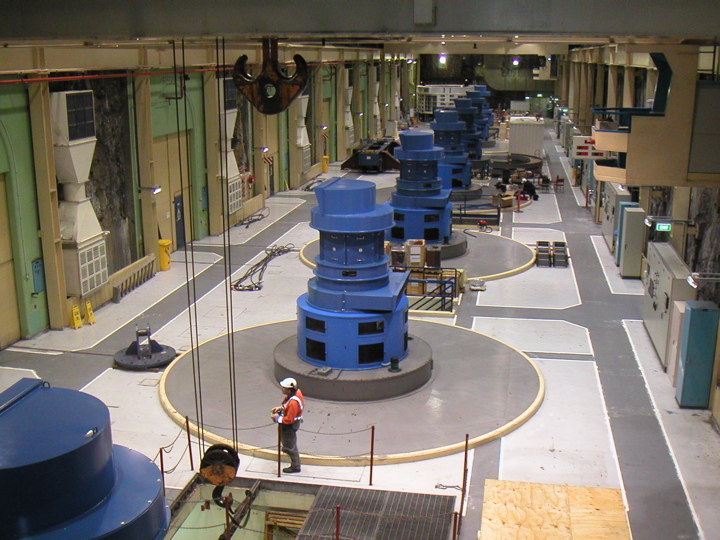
x: 288, y: 438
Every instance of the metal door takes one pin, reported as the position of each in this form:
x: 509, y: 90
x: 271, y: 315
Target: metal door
x: 179, y: 221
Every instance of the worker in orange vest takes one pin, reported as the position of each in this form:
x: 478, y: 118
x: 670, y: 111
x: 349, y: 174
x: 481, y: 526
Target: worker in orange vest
x: 289, y: 416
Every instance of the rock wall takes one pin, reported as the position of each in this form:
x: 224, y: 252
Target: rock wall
x: 703, y: 254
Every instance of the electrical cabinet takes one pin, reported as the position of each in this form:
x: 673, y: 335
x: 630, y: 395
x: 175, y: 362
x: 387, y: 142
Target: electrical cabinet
x: 631, y: 241
x: 619, y: 227
x: 665, y: 281
x: 697, y: 354
x: 672, y: 349
x: 527, y: 136
x: 613, y: 194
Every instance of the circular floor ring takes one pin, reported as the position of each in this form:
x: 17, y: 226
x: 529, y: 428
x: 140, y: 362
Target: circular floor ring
x: 480, y: 387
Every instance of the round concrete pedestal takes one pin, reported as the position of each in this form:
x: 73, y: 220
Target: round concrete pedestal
x: 474, y: 192
x: 354, y: 385
x: 456, y: 247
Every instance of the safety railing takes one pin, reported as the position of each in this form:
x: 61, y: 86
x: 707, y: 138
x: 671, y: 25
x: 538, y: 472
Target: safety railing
x: 341, y: 515
x: 431, y: 288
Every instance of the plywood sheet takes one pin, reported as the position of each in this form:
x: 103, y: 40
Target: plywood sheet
x: 549, y: 511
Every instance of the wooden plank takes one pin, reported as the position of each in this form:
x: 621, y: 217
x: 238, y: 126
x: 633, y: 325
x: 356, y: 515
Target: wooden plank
x: 534, y: 511
x: 597, y: 513
x: 524, y: 510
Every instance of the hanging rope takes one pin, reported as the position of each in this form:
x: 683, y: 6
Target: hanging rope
x: 189, y: 265
x: 220, y: 61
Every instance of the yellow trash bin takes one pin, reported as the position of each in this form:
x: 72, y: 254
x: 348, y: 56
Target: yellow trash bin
x: 164, y: 258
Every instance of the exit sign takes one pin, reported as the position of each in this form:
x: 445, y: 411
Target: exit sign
x: 663, y: 227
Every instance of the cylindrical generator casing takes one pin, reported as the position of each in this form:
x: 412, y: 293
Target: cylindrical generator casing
x: 421, y: 207
x: 354, y: 315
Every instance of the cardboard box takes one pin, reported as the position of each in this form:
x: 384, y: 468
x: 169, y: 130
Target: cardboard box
x: 415, y: 252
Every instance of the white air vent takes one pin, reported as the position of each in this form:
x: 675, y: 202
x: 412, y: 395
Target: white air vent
x: 306, y: 159
x: 235, y: 186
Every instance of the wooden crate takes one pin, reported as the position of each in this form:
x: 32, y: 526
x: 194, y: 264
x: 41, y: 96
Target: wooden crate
x: 415, y: 252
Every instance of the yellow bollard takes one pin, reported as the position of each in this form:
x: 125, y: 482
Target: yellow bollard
x: 164, y: 257
x: 325, y: 164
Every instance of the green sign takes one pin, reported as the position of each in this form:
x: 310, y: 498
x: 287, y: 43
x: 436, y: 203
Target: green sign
x: 663, y: 227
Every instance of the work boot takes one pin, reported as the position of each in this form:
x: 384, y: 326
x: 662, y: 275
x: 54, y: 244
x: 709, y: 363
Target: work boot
x: 291, y: 470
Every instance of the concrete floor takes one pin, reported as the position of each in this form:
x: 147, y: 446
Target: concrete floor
x: 609, y: 418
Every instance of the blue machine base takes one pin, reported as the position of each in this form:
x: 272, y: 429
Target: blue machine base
x: 135, y: 506
x: 352, y: 339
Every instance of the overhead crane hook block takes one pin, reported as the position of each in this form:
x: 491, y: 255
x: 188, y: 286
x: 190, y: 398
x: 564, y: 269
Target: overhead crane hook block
x: 271, y: 92
x: 219, y: 465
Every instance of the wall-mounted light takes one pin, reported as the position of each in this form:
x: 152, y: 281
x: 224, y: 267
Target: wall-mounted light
x: 442, y: 59
x: 516, y: 60
x: 154, y: 189
x: 695, y: 278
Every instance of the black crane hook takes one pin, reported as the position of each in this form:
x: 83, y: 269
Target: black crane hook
x: 271, y: 92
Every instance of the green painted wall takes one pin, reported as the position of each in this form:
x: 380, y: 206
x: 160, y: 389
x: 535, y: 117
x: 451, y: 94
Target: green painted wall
x: 187, y: 113
x: 16, y: 161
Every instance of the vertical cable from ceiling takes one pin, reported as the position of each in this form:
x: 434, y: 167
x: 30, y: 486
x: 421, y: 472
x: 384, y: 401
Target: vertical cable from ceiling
x: 189, y: 266
x: 220, y: 62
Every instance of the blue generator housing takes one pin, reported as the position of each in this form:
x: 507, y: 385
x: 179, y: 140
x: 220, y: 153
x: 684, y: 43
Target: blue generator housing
x: 471, y: 137
x: 61, y: 476
x: 454, y: 169
x: 421, y: 207
x: 478, y: 95
x: 355, y: 313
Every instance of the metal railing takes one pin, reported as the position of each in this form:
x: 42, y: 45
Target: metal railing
x: 435, y: 288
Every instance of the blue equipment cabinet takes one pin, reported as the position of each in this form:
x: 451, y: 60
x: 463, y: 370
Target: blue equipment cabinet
x: 697, y: 354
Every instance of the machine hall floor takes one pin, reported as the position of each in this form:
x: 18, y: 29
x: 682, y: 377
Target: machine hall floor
x: 608, y: 418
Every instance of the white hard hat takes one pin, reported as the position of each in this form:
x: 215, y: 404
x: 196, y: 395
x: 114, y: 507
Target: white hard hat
x: 288, y: 382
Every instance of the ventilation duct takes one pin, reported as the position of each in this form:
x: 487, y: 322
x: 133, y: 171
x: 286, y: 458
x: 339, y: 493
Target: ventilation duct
x: 83, y: 240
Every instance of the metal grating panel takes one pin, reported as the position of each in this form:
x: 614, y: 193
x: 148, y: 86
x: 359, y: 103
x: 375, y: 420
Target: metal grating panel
x: 378, y: 515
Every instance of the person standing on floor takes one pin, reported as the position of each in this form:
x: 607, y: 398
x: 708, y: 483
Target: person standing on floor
x: 289, y: 416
